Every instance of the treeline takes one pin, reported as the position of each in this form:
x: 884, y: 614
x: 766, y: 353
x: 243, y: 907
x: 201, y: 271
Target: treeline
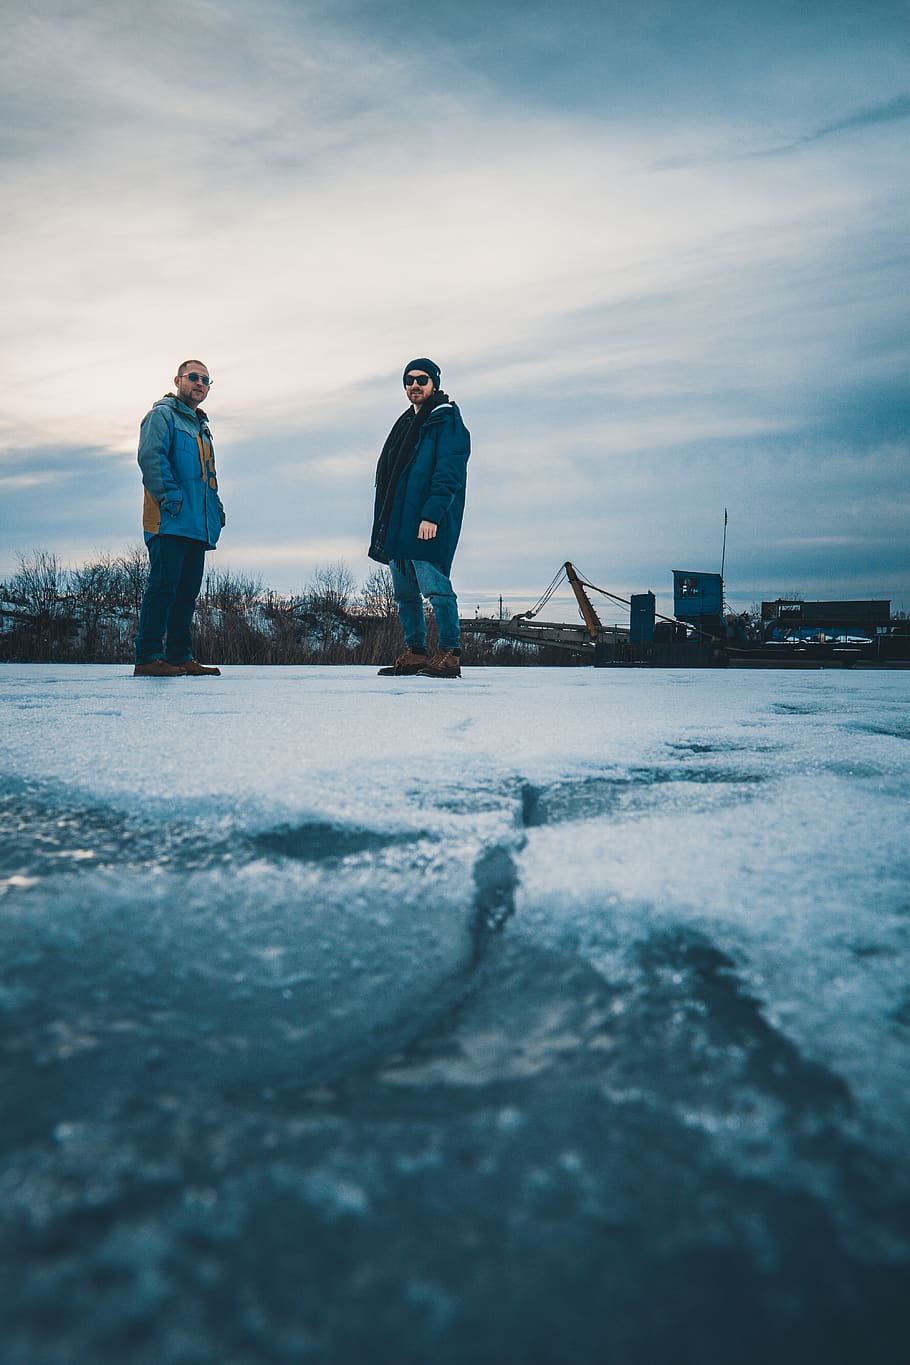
x: 53, y: 614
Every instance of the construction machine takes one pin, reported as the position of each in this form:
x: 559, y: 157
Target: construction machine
x: 589, y: 641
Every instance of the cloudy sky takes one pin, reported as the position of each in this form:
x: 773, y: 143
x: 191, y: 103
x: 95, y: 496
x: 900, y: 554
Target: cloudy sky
x: 660, y: 252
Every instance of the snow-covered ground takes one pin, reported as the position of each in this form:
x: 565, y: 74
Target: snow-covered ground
x: 542, y: 1015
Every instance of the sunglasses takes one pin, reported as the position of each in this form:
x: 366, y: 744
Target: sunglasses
x: 420, y: 379
x: 195, y: 378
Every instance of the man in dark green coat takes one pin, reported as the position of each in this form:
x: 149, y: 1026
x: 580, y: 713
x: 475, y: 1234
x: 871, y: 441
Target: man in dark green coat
x: 420, y: 492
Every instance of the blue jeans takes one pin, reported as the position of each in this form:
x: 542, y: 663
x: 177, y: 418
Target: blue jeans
x: 414, y: 579
x: 175, y: 577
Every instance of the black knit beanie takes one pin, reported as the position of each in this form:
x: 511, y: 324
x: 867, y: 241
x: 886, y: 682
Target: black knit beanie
x: 427, y: 366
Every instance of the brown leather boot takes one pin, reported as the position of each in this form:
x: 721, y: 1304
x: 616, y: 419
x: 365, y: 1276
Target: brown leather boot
x: 200, y: 670
x: 445, y: 663
x: 408, y: 663
x: 158, y: 668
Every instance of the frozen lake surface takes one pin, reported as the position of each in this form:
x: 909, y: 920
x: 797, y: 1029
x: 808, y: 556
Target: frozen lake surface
x: 545, y: 1016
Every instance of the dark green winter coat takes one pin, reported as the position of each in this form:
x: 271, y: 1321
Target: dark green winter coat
x: 431, y: 487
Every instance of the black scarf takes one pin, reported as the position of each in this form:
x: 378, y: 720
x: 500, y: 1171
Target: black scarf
x: 394, y: 459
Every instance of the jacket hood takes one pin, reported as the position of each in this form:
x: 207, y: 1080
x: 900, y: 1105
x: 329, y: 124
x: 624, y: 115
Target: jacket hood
x: 170, y: 400
x: 441, y: 409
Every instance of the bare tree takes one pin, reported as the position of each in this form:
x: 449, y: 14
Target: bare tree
x: 39, y: 583
x: 378, y: 616
x: 132, y: 576
x: 377, y: 596
x: 284, y: 631
x: 92, y: 596
x: 328, y: 630
x: 231, y: 623
x: 37, y: 597
x: 332, y: 587
x: 226, y: 591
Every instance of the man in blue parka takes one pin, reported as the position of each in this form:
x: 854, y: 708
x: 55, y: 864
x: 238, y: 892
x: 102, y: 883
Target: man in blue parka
x: 182, y: 517
x: 420, y: 490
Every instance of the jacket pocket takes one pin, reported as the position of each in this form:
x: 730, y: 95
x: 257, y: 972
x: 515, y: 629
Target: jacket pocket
x: 186, y: 458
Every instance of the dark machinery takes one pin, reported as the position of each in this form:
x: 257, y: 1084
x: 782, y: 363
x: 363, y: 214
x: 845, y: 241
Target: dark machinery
x: 701, y: 635
x: 649, y: 639
x: 591, y: 641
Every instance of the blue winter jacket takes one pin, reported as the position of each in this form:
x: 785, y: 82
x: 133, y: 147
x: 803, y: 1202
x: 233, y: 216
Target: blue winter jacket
x: 431, y: 488
x: 177, y: 460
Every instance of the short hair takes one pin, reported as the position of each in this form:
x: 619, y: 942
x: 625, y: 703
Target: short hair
x: 185, y: 365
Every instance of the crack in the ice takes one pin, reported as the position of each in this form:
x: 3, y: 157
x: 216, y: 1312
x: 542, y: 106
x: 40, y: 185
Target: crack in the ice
x: 495, y: 881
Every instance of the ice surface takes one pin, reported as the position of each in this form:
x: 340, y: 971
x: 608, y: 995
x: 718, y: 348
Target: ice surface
x: 436, y: 976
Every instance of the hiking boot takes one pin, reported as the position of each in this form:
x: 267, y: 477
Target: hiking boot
x: 408, y: 663
x: 445, y: 663
x: 158, y: 668
x: 200, y: 670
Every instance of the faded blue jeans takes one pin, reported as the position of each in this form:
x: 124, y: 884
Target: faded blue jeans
x: 414, y: 579
x: 176, y: 566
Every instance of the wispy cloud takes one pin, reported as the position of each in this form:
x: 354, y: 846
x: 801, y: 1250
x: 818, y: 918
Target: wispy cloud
x: 895, y: 110
x: 304, y: 196
x: 892, y: 111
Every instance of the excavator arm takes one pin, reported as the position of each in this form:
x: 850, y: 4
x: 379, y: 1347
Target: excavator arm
x: 589, y: 615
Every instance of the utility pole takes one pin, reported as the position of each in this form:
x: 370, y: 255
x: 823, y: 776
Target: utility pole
x: 724, y: 551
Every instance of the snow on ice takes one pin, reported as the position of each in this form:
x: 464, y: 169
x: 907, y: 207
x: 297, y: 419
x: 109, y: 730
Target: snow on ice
x: 548, y: 1014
